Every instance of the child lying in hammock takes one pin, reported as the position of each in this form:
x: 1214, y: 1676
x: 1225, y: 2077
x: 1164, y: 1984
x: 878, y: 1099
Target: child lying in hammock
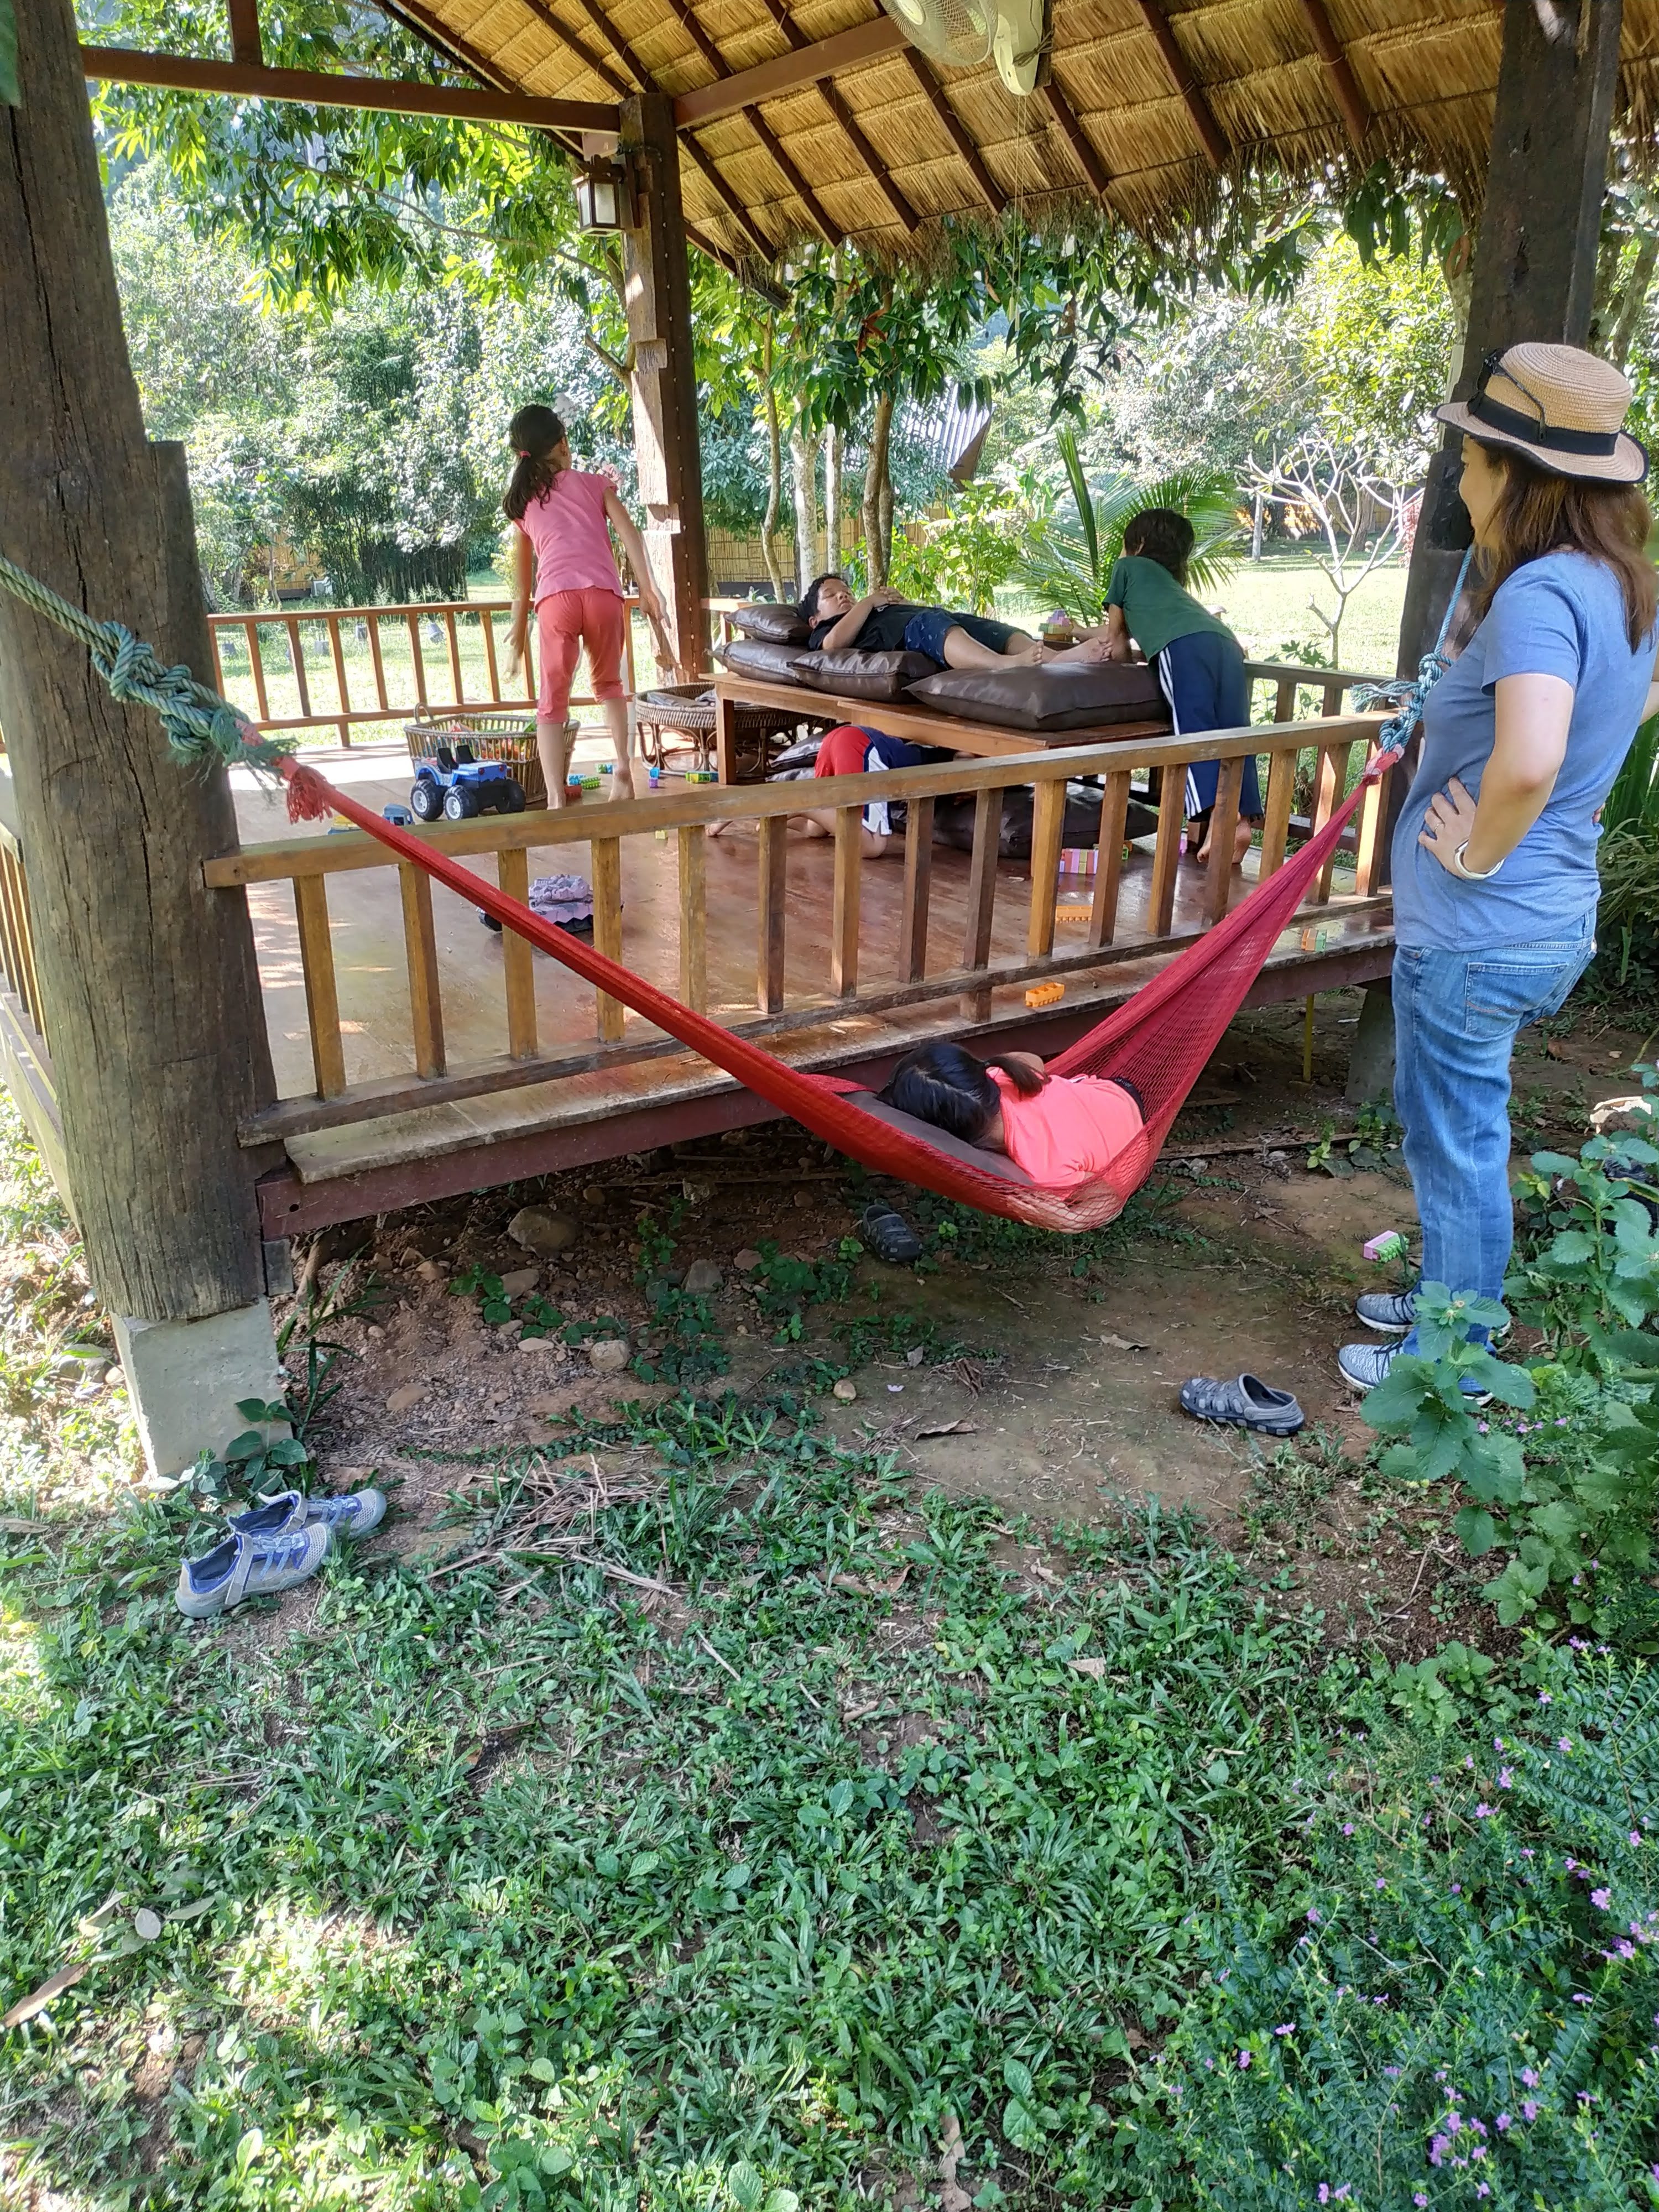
x: 1063, y: 1130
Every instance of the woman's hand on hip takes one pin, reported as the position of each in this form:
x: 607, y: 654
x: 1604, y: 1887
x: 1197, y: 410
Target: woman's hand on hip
x: 1448, y: 824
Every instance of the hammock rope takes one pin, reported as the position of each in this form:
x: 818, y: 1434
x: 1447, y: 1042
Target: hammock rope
x: 1159, y: 1039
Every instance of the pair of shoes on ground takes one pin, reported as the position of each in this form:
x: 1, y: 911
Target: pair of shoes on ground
x: 1391, y: 1313
x: 271, y: 1547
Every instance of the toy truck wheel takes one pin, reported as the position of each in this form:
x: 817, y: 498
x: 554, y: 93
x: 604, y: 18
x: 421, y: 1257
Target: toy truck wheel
x: 512, y: 799
x: 426, y: 801
x: 460, y: 805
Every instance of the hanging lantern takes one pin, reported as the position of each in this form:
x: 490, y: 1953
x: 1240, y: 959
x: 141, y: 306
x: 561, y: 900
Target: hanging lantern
x: 605, y: 195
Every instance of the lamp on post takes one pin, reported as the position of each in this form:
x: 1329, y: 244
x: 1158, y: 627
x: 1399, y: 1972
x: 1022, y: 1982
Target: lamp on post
x: 604, y: 194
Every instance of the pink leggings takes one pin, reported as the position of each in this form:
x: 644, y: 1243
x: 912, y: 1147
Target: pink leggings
x: 565, y: 622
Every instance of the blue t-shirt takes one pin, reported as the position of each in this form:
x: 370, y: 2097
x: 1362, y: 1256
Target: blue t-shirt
x: 1563, y: 614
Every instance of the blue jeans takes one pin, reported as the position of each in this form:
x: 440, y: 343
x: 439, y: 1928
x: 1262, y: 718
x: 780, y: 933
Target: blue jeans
x: 1455, y: 1016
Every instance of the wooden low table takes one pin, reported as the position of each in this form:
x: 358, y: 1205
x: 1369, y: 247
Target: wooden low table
x: 735, y: 695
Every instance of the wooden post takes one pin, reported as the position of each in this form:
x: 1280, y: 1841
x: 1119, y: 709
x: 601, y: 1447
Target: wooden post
x: 1534, y: 254
x: 158, y: 1035
x: 658, y: 296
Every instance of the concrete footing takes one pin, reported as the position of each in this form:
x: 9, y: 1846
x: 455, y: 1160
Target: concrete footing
x: 1370, y: 1062
x: 185, y: 1378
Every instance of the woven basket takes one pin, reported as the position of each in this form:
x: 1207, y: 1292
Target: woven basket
x: 493, y: 737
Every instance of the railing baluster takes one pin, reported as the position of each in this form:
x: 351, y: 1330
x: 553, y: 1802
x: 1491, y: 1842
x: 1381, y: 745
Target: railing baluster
x: 36, y: 1003
x: 771, y: 892
x: 918, y: 891
x: 421, y: 946
x: 844, y: 917
x: 297, y: 654
x: 1224, y: 825
x: 1171, y: 801
x: 379, y: 659
x: 322, y: 993
x: 1048, y: 828
x: 342, y: 687
x: 693, y: 916
x: 1331, y: 698
x: 416, y: 654
x: 1373, y: 814
x: 982, y: 898
x: 487, y: 624
x: 1109, y: 858
x: 454, y: 636
x: 605, y: 854
x: 1333, y: 779
x: 1284, y: 700
x: 517, y: 961
x: 1281, y: 803
x: 256, y: 661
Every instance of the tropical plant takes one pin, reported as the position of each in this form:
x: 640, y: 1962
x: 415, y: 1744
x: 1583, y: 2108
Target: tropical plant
x: 1072, y: 569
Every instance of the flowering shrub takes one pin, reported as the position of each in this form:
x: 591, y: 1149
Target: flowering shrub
x: 1452, y: 1998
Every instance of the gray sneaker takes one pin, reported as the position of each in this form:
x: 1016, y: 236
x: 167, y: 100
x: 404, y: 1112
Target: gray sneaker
x: 353, y: 1514
x: 1363, y: 1366
x: 1391, y: 1313
x: 248, y: 1567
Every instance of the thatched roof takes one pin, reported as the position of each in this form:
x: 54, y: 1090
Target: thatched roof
x: 1151, y: 100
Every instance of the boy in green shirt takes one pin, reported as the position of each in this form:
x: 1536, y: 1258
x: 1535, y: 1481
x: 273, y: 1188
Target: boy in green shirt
x: 1200, y: 663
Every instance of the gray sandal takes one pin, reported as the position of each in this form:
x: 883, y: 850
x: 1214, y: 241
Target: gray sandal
x: 1247, y: 1402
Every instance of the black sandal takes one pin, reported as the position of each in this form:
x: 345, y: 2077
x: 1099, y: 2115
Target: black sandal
x: 889, y: 1236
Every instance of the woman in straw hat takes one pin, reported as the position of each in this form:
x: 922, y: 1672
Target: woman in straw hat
x: 1494, y: 858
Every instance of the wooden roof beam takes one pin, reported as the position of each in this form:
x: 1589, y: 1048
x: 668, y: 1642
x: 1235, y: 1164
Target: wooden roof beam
x: 854, y: 130
x: 573, y: 39
x: 1344, y: 89
x: 956, y: 131
x: 318, y: 88
x: 790, y: 72
x: 1181, y: 76
x: 246, y: 44
x: 820, y: 221
x: 1082, y: 145
x: 739, y: 214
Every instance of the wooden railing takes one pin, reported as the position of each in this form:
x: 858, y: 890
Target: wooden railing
x: 373, y: 678
x: 17, y: 932
x: 309, y: 862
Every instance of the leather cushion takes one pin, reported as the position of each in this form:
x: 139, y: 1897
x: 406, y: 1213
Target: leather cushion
x: 939, y: 1140
x: 777, y: 625
x: 763, y: 657
x: 864, y: 675
x: 1069, y: 695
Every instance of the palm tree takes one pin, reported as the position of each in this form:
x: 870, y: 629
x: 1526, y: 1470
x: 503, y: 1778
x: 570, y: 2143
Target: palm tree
x: 1072, y: 569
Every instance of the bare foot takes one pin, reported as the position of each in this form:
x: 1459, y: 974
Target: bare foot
x: 717, y: 829
x: 1241, y: 834
x: 1091, y: 651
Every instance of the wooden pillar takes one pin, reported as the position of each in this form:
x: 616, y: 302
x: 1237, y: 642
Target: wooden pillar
x: 657, y: 290
x: 1534, y: 254
x: 152, y: 994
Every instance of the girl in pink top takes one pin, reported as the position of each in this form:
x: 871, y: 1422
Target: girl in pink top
x: 564, y: 566
x: 1063, y: 1130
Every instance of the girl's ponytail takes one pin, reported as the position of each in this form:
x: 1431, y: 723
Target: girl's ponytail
x: 537, y: 432
x: 1027, y: 1081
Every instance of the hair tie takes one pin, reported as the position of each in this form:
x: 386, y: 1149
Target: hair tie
x: 523, y: 453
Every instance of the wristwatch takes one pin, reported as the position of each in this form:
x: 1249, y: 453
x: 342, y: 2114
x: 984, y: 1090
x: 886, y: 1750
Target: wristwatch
x: 1461, y: 866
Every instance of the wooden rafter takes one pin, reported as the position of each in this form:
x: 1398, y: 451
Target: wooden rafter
x: 1344, y: 89
x: 1082, y: 145
x: 790, y: 72
x: 245, y: 42
x: 822, y: 221
x: 317, y: 88
x: 830, y: 94
x: 956, y: 131
x: 578, y: 44
x: 1211, y: 137
x: 746, y: 223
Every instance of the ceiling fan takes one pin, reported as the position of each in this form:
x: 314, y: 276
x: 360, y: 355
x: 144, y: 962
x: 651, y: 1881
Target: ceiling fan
x: 1015, y: 35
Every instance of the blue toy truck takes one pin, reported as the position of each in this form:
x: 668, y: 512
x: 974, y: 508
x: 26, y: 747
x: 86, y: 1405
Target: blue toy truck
x: 458, y: 786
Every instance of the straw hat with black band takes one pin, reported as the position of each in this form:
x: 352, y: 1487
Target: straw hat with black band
x: 1560, y: 406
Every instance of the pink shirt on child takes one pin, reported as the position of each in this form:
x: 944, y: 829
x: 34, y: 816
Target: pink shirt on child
x: 1070, y: 1130
x: 567, y: 527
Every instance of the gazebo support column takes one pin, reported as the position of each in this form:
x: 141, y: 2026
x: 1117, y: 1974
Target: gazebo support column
x: 657, y: 289
x: 1534, y: 265
x: 149, y: 979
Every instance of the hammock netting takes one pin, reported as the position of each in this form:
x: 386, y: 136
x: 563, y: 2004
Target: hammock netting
x: 1160, y: 1039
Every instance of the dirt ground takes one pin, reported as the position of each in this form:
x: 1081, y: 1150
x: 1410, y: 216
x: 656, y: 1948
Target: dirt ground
x: 1043, y: 1384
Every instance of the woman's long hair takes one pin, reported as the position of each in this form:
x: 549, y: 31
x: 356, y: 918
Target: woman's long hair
x: 535, y: 432
x: 1539, y: 512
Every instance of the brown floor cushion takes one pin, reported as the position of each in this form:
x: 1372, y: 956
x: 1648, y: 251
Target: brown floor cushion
x: 764, y: 658
x: 777, y: 625
x: 864, y: 675
x: 1058, y: 695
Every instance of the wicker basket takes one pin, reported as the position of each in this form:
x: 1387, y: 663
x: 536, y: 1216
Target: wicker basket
x: 492, y: 735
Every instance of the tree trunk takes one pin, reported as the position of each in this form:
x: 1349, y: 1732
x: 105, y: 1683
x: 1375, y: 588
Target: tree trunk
x: 804, y: 491
x: 832, y: 497
x: 878, y: 495
x: 1258, y: 518
x: 1635, y: 299
x: 152, y: 994
x: 773, y: 475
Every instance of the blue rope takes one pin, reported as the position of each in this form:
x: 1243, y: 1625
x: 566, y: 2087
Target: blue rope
x: 202, y: 727
x: 1407, y: 694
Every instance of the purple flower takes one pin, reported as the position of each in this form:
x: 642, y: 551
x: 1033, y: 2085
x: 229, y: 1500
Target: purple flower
x: 1601, y: 1899
x: 1529, y: 2077
x: 1636, y: 1836
x: 1289, y: 2028
x: 1454, y: 2123
x: 1579, y: 1997
x: 1564, y: 1743
x: 1347, y: 1827
x: 1439, y: 2148
x: 1481, y: 2189
x: 1244, y: 2060
x: 1458, y: 1889
x: 1545, y: 1698
x: 1503, y: 2124
x: 1418, y: 2197
x: 1313, y: 1916
x: 1483, y: 1812
x: 1505, y: 1777
x: 1380, y: 1883
x: 1529, y: 2110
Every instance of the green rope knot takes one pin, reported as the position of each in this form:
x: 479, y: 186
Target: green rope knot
x: 201, y: 725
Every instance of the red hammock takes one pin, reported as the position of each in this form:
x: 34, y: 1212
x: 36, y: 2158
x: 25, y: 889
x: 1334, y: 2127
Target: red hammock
x: 1160, y: 1039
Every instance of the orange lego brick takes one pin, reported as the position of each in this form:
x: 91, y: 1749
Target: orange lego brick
x: 1045, y: 994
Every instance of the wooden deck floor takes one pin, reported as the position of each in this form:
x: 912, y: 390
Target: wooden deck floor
x: 598, y: 1114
